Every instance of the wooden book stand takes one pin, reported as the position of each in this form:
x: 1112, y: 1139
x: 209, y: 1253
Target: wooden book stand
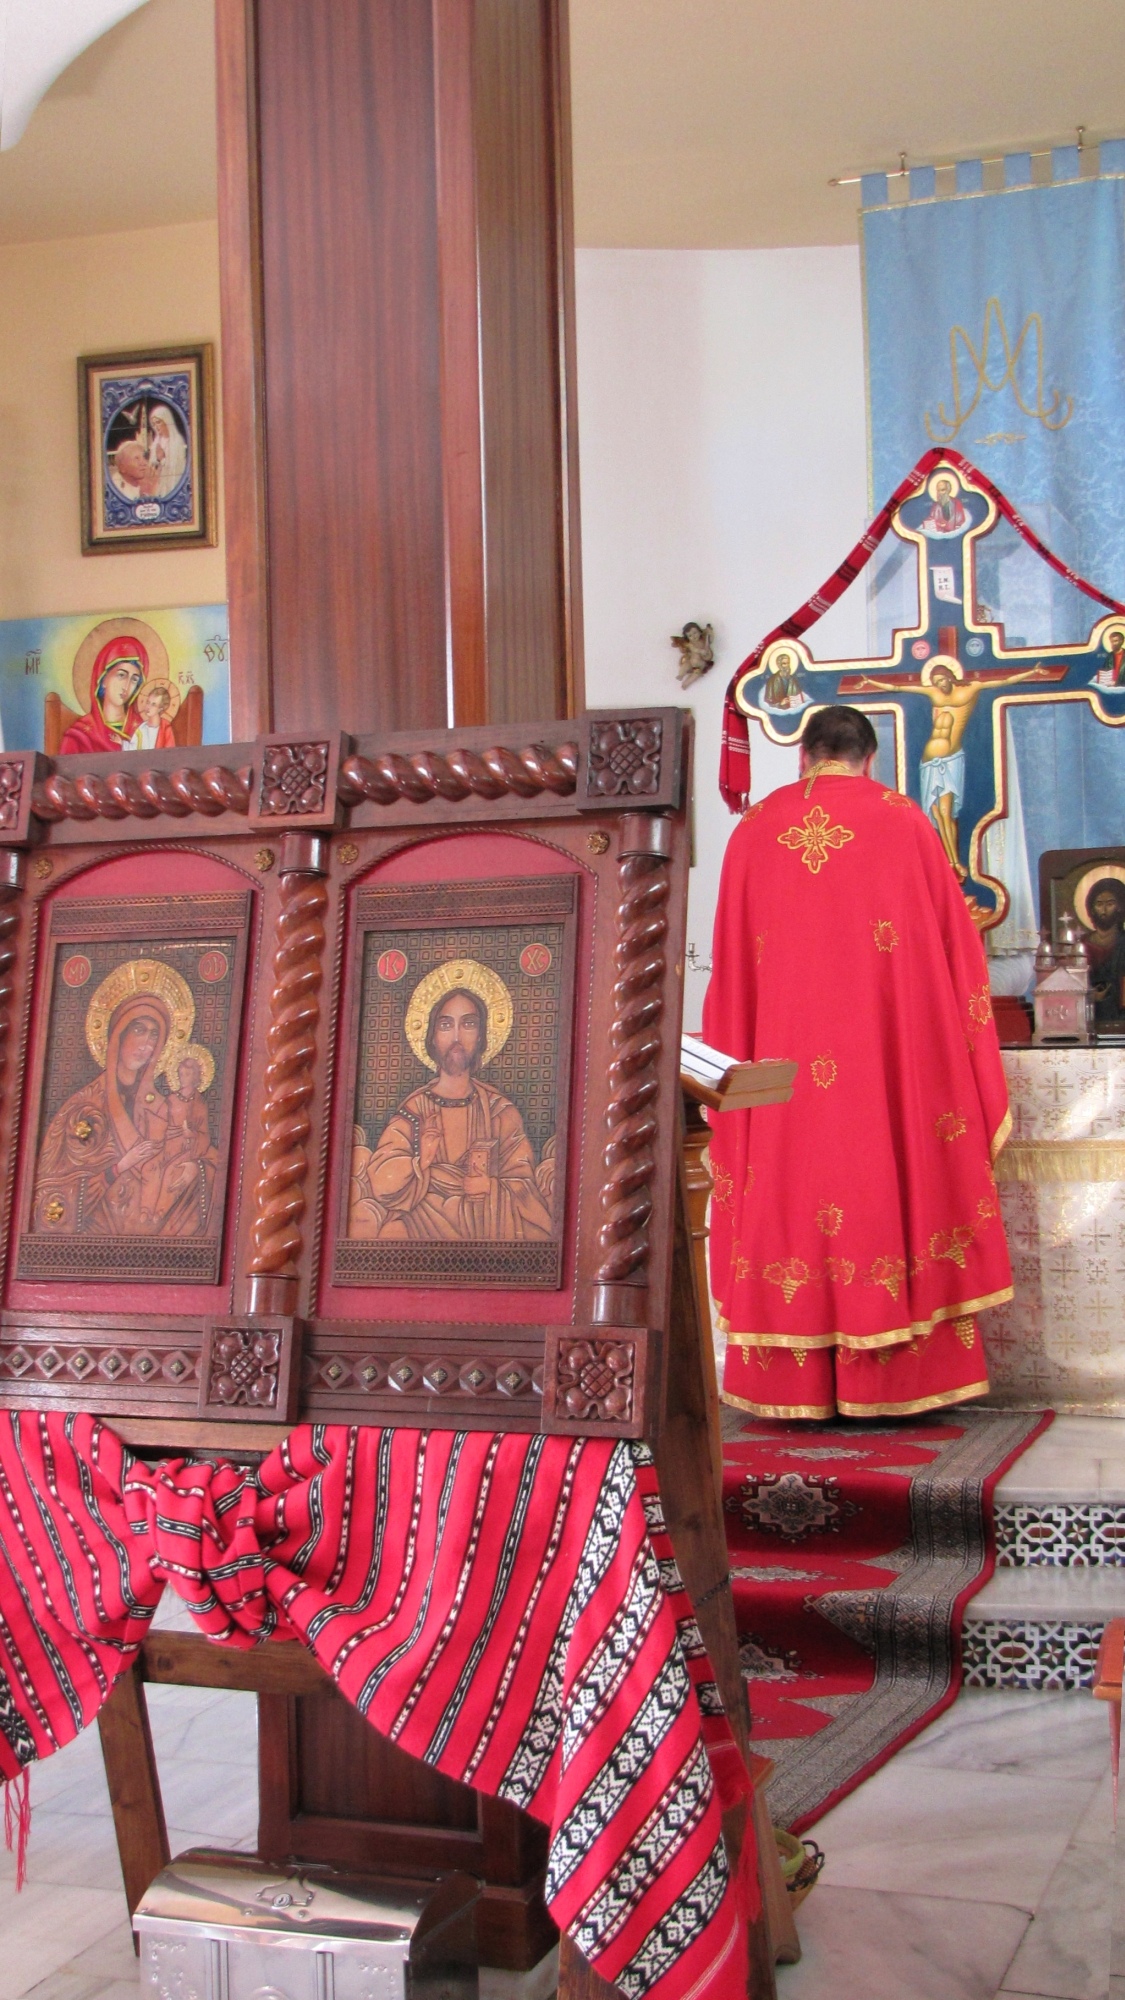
x: 286, y: 919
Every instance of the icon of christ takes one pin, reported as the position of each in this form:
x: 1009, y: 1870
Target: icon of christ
x: 454, y: 1162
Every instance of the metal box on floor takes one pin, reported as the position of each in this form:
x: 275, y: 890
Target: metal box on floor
x: 219, y: 1926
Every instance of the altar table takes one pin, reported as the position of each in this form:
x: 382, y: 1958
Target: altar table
x: 1062, y: 1195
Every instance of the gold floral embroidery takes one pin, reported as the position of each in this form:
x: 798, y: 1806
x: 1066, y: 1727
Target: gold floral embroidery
x: 823, y: 1071
x: 723, y: 1186
x: 896, y: 799
x: 789, y: 1276
x: 741, y: 1270
x: 800, y: 1355
x: 917, y: 1266
x: 765, y: 1356
x: 965, y: 1329
x: 749, y: 1182
x: 950, y: 1125
x: 844, y: 1356
x: 753, y: 811
x: 890, y: 1272
x: 885, y: 935
x: 952, y: 1244
x: 980, y: 1007
x: 759, y: 946
x: 988, y: 1208
x: 815, y: 837
x: 841, y: 1270
x: 829, y: 1219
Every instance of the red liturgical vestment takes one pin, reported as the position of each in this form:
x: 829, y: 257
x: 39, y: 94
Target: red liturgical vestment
x: 855, y: 1231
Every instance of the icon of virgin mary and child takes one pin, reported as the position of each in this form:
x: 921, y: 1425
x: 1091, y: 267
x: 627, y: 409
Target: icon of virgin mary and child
x: 127, y: 708
x: 130, y: 1153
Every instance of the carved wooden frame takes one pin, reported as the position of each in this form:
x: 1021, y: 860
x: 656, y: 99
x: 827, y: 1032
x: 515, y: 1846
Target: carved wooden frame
x: 602, y: 799
x: 149, y: 920
x: 449, y: 907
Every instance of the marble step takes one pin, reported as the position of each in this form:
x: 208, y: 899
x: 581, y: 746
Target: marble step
x: 1039, y: 1627
x: 1062, y: 1503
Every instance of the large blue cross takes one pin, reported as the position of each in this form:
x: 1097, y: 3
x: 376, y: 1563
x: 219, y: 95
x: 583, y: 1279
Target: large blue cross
x: 947, y: 682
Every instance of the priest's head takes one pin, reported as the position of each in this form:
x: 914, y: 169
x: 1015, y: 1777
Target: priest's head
x: 839, y: 735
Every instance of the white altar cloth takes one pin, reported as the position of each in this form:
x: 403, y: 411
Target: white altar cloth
x: 1061, y: 1341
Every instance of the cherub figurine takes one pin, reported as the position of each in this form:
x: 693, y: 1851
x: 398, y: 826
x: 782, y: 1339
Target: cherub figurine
x: 696, y: 648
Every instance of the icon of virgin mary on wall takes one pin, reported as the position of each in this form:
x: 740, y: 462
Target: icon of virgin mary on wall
x: 131, y: 1152
x: 110, y: 692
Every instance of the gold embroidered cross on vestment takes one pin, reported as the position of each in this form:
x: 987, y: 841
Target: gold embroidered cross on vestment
x: 816, y: 837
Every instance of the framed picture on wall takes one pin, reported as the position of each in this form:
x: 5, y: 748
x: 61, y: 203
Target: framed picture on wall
x: 147, y: 444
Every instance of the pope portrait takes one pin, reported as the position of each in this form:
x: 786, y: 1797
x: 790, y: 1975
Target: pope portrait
x: 454, y: 1162
x: 123, y: 1156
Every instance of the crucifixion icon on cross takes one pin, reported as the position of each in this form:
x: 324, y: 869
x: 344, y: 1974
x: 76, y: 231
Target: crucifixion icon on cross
x: 948, y: 681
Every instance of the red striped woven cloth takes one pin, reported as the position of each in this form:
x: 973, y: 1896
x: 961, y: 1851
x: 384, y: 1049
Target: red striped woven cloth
x: 734, y: 756
x: 506, y: 1608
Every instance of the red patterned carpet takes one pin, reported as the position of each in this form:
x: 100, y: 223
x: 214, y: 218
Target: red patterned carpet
x: 854, y: 1548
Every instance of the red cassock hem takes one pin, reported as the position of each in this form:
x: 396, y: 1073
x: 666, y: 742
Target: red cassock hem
x: 943, y: 1367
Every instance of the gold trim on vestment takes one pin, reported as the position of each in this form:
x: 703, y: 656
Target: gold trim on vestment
x: 863, y: 1341
x: 831, y: 767
x: 1050, y: 1161
x: 917, y: 1409
x: 815, y: 1411
x: 1000, y: 1137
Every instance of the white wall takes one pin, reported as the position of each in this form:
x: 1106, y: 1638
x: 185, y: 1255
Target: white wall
x: 723, y: 461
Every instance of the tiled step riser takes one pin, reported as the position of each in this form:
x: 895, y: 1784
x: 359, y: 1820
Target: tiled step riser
x: 1071, y: 1534
x: 1012, y: 1653
x: 1060, y: 1562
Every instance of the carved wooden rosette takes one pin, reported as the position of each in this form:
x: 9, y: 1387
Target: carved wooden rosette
x: 249, y: 1369
x: 621, y: 1291
x: 283, y: 1160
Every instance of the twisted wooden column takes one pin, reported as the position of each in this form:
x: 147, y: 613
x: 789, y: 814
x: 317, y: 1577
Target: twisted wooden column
x: 484, y: 774
x: 636, y: 1043
x: 11, y: 871
x: 283, y: 1161
x: 141, y: 794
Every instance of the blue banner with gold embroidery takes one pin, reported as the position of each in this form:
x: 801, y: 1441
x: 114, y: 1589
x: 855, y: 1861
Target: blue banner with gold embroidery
x: 996, y: 324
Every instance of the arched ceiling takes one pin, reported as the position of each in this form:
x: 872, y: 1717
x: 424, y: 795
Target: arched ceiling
x: 696, y: 122
x: 125, y: 137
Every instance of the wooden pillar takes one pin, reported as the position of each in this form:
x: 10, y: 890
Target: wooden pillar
x: 401, y: 523
x: 401, y: 494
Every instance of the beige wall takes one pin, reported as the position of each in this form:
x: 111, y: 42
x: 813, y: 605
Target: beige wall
x: 87, y: 295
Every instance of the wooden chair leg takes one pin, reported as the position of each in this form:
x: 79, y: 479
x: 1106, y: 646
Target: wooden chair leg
x: 785, y: 1945
x: 134, y: 1786
x: 577, y: 1978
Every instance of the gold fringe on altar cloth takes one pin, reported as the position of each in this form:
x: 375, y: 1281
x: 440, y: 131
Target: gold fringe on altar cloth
x: 1051, y: 1161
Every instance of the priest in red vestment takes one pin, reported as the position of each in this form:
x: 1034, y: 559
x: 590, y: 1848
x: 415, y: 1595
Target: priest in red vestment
x: 855, y: 1232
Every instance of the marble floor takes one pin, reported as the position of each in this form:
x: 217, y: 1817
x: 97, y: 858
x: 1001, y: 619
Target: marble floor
x: 975, y: 1864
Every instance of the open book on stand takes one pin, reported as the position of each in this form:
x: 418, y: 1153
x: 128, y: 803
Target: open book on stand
x: 710, y: 1077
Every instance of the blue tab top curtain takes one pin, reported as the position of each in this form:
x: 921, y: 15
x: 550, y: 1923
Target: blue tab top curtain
x: 995, y: 323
